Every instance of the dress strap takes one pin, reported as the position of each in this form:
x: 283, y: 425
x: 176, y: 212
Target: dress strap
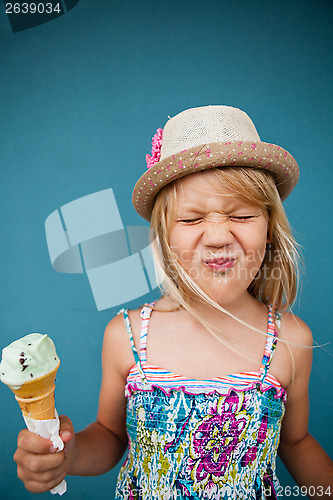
x: 135, y: 352
x: 145, y: 316
x: 271, y: 341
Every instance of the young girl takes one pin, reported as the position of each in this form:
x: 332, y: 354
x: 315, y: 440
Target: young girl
x: 190, y: 383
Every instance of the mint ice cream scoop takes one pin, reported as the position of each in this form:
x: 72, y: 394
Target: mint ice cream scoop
x: 27, y: 358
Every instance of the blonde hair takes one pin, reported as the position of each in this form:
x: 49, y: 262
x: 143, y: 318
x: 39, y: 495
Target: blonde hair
x: 277, y: 280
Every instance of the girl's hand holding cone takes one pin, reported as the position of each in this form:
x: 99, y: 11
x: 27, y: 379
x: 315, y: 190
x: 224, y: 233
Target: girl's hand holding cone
x: 38, y: 465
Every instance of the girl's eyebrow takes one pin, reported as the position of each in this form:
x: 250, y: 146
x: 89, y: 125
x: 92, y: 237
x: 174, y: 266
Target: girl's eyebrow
x: 190, y: 208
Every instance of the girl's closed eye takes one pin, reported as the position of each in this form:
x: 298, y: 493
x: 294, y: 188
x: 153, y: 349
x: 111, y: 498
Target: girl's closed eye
x: 243, y: 218
x: 233, y: 218
x: 195, y: 220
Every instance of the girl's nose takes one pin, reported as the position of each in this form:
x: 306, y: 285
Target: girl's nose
x: 218, y: 232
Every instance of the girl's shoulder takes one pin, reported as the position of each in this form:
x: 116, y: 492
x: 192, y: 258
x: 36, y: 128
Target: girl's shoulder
x: 299, y: 343
x: 118, y: 328
x: 122, y: 331
x: 293, y: 358
x: 295, y: 330
x: 116, y: 345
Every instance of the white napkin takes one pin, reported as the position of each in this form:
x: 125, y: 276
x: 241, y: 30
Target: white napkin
x: 49, y: 429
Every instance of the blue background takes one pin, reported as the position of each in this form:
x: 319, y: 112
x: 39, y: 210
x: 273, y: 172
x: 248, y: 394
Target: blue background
x: 81, y: 97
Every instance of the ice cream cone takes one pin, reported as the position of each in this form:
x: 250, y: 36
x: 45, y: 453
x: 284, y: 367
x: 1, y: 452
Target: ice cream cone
x: 40, y: 408
x: 28, y: 367
x: 36, y: 397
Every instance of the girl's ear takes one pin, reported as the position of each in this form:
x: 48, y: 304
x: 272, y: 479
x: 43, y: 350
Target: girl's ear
x: 269, y: 233
x: 269, y: 236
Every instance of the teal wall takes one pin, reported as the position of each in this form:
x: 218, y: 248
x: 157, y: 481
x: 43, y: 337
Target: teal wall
x: 81, y: 97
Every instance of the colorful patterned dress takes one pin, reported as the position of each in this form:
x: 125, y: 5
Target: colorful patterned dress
x: 190, y: 439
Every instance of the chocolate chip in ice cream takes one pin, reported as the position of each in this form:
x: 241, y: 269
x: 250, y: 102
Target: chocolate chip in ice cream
x: 27, y: 358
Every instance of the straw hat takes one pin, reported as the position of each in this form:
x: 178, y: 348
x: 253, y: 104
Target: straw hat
x: 211, y: 136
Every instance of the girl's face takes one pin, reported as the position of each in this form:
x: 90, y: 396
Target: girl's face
x: 219, y: 239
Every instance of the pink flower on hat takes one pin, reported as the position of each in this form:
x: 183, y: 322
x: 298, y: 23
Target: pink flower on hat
x: 156, y: 145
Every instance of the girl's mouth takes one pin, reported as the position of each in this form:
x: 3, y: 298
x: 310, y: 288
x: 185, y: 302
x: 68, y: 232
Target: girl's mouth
x: 220, y: 265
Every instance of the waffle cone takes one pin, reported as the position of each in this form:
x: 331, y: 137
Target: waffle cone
x: 36, y: 397
x: 39, y: 408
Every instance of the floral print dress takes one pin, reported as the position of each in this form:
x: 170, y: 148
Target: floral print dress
x: 191, y: 439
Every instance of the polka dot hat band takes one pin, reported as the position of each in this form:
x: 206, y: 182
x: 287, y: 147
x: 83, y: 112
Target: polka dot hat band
x: 206, y: 137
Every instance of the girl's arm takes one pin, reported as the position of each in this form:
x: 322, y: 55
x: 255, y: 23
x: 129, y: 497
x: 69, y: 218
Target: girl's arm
x: 305, y: 459
x: 101, y: 445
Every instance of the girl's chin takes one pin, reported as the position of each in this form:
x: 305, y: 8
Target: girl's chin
x: 222, y: 291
